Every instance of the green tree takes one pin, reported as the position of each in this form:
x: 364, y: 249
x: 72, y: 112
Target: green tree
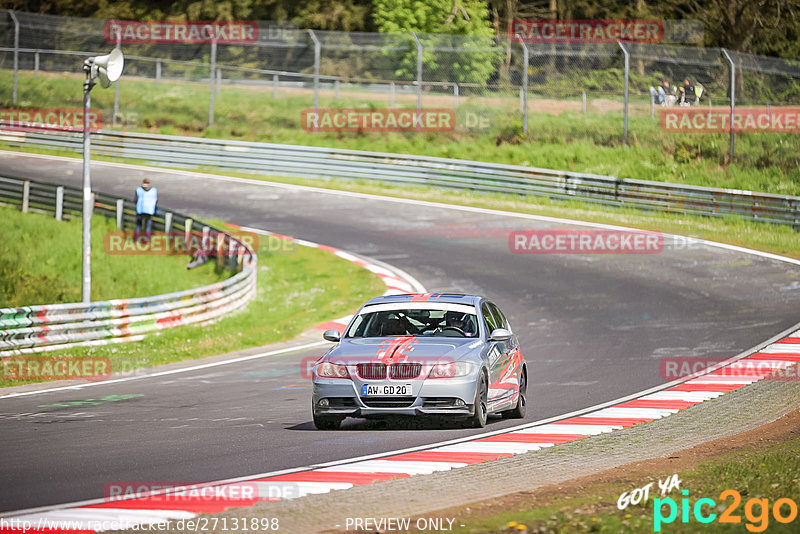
x: 455, y: 34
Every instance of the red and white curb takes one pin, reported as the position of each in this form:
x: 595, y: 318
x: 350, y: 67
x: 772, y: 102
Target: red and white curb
x: 397, y: 282
x: 767, y: 362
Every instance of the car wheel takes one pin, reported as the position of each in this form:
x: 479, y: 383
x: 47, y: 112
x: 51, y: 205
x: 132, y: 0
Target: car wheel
x: 327, y: 422
x: 518, y: 412
x: 478, y: 419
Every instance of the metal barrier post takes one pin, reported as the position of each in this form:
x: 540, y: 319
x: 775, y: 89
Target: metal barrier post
x: 211, y: 71
x: 115, y: 113
x: 652, y: 107
x: 419, y: 72
x: 36, y: 63
x: 167, y: 222
x: 274, y: 86
x: 584, y: 102
x: 187, y: 226
x: 158, y: 72
x: 733, y: 95
x: 524, y: 88
x: 16, y: 55
x: 316, y: 69
x: 336, y: 89
x: 391, y: 94
x: 26, y: 195
x: 59, y: 202
x: 220, y: 249
x: 219, y: 80
x: 455, y: 95
x: 627, y: 78
x: 120, y: 212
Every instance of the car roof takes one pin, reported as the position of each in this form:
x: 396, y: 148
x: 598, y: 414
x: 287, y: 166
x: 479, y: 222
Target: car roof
x: 453, y: 298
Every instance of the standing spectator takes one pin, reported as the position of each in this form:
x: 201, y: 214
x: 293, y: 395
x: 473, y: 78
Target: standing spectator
x: 146, y: 205
x: 686, y: 94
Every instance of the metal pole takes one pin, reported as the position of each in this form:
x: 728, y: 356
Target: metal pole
x: 211, y: 72
x: 158, y: 72
x: 86, y: 263
x: 455, y: 95
x: 116, y: 103
x: 59, y: 202
x: 316, y: 68
x: 652, y: 107
x: 219, y: 80
x: 627, y: 77
x: 391, y: 94
x: 336, y: 89
x: 16, y: 56
x: 733, y: 96
x: 274, y: 86
x: 36, y: 63
x: 419, y: 72
x: 524, y: 84
x: 584, y: 102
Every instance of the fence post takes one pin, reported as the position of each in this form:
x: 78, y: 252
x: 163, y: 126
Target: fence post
x: 733, y: 95
x: 120, y: 213
x: 16, y: 55
x: 336, y: 89
x: 36, y: 63
x: 524, y: 88
x: 187, y: 225
x: 391, y: 94
x: 212, y: 70
x: 584, y: 101
x: 167, y: 222
x: 455, y: 95
x: 419, y: 71
x: 316, y: 69
x: 627, y: 77
x: 652, y: 107
x: 26, y: 195
x: 158, y: 72
x: 59, y: 202
x: 219, y: 80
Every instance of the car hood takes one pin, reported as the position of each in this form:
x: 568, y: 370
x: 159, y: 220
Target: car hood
x: 402, y: 349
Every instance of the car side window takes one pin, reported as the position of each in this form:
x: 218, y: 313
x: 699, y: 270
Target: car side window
x: 489, y: 321
x: 500, y: 318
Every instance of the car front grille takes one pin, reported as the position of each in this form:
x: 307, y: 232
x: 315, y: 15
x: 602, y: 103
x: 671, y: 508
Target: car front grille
x: 397, y: 371
x: 405, y: 371
x: 388, y: 402
x: 372, y: 371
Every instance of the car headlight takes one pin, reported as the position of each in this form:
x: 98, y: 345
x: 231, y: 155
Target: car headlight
x: 332, y: 370
x: 450, y: 370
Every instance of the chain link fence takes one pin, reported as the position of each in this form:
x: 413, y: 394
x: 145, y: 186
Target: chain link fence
x: 517, y: 85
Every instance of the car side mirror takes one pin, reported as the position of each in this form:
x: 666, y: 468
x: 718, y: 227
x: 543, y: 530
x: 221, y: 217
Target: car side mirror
x: 500, y: 334
x: 332, y: 335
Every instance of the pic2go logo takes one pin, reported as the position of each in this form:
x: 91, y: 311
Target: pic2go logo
x: 756, y: 511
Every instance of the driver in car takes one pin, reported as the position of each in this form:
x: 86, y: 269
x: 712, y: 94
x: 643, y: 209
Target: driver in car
x: 456, y: 320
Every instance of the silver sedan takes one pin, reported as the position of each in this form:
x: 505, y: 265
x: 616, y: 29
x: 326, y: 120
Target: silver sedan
x: 447, y: 355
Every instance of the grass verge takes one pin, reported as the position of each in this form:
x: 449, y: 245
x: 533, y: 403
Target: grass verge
x: 567, y: 140
x: 41, y: 264
x: 298, y: 287
x: 761, y: 475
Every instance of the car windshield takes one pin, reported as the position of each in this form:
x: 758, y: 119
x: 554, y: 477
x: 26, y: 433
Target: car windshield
x: 388, y: 321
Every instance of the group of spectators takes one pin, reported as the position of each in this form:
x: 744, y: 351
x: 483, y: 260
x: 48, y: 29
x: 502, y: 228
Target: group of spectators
x: 683, y: 95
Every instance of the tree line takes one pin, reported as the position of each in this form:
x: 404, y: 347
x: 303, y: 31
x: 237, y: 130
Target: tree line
x: 766, y: 27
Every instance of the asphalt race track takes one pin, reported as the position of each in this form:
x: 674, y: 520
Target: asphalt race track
x: 592, y: 327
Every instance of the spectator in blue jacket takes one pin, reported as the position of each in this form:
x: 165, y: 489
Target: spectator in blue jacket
x: 146, y: 205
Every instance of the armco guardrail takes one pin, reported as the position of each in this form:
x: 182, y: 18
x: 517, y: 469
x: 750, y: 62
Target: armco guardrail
x: 318, y: 162
x: 56, y: 326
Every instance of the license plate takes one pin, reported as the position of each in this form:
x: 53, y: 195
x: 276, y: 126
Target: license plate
x: 386, y: 390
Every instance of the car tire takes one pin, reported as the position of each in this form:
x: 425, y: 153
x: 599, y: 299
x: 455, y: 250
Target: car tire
x: 478, y: 419
x: 518, y: 411
x: 327, y: 422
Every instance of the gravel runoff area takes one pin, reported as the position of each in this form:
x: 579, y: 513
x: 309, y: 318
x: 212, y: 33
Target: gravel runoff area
x: 745, y: 409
